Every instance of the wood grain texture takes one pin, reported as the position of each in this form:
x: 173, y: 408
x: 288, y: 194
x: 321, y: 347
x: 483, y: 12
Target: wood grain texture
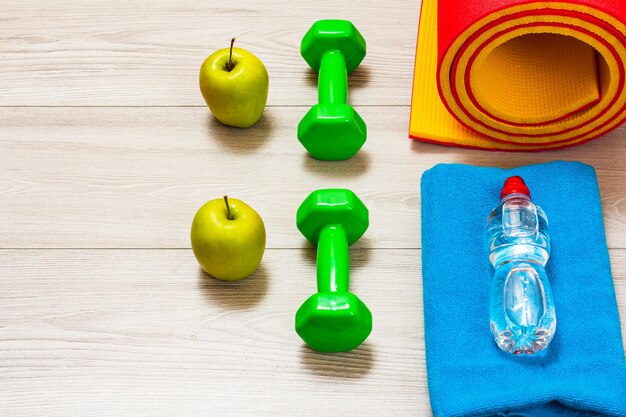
x: 149, y: 52
x: 134, y: 177
x: 147, y: 333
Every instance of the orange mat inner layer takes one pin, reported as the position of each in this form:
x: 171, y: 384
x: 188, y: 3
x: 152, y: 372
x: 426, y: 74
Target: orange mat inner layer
x: 518, y: 75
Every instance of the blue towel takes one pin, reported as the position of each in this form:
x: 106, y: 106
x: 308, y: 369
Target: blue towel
x: 583, y: 372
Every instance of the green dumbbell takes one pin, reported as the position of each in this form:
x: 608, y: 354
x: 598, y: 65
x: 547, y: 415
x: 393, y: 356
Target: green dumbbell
x: 332, y: 130
x: 334, y: 319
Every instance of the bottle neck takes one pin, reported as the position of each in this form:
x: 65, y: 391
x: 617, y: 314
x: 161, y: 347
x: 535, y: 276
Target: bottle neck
x: 514, y: 195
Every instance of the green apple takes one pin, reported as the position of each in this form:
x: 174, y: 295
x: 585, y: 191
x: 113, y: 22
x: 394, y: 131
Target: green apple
x: 234, y: 84
x: 228, y: 238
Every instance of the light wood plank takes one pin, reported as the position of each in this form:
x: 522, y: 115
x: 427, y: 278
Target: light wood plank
x: 149, y: 52
x: 134, y: 177
x: 147, y: 333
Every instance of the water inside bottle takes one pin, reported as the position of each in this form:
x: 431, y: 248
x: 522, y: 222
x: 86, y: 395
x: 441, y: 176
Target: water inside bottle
x: 524, y: 299
x: 519, y: 219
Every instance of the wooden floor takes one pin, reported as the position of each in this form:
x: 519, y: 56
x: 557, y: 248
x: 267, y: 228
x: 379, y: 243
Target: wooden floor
x: 106, y: 152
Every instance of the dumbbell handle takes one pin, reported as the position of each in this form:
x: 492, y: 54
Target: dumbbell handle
x: 332, y: 84
x: 333, y: 260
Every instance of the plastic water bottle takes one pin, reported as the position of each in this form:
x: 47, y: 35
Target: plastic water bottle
x: 523, y: 319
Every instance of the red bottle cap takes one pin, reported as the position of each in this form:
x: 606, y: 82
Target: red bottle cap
x: 514, y: 185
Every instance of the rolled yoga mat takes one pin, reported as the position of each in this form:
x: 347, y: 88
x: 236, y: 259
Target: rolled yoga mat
x: 518, y: 75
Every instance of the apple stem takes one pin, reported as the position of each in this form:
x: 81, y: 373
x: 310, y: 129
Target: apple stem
x: 230, y: 65
x: 229, y: 215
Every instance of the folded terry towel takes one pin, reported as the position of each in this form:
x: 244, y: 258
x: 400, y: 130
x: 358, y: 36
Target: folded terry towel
x: 583, y: 372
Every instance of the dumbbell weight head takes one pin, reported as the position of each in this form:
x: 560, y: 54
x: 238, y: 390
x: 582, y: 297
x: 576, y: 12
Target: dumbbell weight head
x: 333, y: 321
x: 332, y: 132
x: 332, y: 206
x: 326, y: 35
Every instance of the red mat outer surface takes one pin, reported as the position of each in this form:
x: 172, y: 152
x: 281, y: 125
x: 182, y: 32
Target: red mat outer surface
x: 455, y: 16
